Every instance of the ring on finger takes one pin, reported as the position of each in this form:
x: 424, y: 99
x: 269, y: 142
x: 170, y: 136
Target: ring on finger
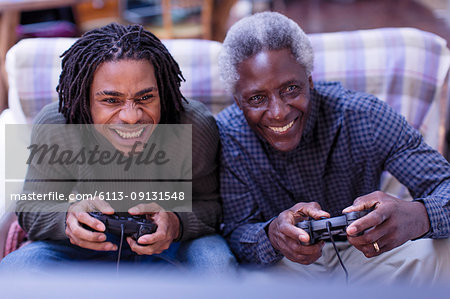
x: 376, y: 247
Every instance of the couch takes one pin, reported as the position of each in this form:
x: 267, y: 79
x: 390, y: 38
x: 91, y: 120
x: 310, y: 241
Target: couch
x: 406, y: 67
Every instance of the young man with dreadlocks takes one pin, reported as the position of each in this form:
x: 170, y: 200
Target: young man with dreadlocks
x: 123, y: 75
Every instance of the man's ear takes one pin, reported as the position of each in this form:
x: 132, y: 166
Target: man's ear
x: 311, y: 83
x: 237, y: 102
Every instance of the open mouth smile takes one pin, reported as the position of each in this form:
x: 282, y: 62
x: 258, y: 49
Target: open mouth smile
x: 283, y: 129
x: 128, y: 134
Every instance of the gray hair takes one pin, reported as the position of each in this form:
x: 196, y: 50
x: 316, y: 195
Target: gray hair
x: 259, y: 32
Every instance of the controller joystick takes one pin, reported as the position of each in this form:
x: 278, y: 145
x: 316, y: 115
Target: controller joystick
x: 318, y: 230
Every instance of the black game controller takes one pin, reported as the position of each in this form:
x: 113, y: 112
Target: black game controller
x: 317, y: 229
x: 134, y: 226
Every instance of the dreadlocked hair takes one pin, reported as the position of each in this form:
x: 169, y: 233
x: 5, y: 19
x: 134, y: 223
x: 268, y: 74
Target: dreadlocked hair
x: 111, y: 43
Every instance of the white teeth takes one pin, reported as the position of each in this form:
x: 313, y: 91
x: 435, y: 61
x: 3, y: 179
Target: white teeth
x: 282, y: 129
x: 127, y: 135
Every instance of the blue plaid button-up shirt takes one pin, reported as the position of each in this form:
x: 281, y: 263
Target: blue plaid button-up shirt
x: 349, y: 139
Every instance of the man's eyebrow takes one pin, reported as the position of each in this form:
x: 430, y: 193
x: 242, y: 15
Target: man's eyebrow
x: 252, y: 91
x: 119, y: 94
x: 144, y: 91
x: 301, y: 84
x: 109, y: 93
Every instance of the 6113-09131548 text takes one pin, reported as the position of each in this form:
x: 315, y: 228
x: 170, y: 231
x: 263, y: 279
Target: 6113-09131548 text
x: 109, y: 196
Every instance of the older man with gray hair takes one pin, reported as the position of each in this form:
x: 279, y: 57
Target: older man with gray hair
x: 294, y: 149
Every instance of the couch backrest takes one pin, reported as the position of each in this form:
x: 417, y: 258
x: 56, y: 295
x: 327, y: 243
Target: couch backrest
x: 405, y: 67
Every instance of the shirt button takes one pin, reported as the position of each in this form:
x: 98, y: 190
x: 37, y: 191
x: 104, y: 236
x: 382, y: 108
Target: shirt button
x: 439, y: 226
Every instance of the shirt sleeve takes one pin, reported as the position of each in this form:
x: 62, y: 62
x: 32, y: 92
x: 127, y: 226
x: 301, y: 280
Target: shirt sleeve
x: 206, y: 210
x: 244, y: 226
x: 415, y: 164
x: 45, y: 219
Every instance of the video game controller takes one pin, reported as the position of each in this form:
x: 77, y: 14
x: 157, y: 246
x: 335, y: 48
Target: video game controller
x: 134, y: 226
x: 317, y: 229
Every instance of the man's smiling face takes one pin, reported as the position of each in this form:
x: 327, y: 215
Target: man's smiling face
x: 273, y: 91
x: 124, y: 97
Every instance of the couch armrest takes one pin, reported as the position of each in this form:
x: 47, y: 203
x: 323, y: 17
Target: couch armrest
x: 5, y: 223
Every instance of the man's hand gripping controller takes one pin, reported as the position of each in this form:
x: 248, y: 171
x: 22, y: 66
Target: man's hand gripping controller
x: 134, y: 226
x: 318, y: 230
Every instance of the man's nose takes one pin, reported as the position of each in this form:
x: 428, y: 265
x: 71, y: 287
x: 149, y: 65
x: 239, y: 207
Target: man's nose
x: 130, y: 113
x: 277, y: 108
